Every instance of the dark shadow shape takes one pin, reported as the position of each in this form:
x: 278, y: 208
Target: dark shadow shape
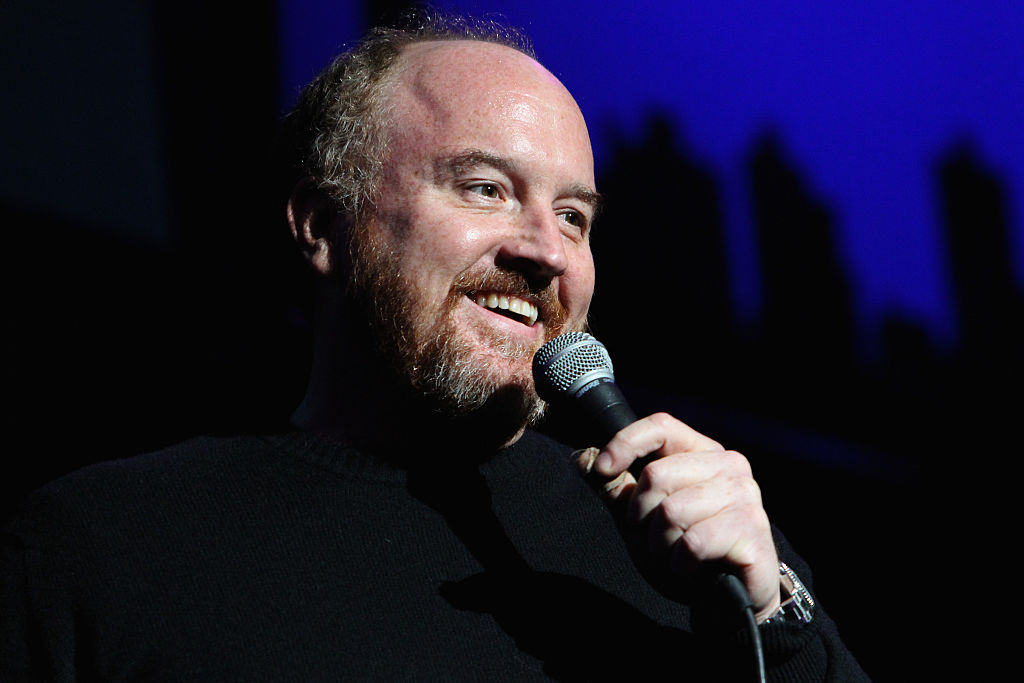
x: 807, y: 343
x: 662, y: 293
x: 561, y: 620
x: 988, y: 302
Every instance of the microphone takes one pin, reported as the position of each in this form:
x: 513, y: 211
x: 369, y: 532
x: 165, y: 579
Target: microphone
x: 575, y: 369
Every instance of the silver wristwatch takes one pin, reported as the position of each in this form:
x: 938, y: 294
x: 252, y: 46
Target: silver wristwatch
x: 797, y: 603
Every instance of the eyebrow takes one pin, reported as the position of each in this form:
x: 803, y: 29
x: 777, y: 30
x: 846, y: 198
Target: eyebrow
x: 457, y: 164
x: 588, y: 196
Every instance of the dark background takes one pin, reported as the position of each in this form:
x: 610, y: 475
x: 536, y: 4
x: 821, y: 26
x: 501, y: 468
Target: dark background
x: 149, y: 283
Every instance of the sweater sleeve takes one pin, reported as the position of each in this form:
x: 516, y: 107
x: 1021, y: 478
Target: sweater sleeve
x: 812, y: 652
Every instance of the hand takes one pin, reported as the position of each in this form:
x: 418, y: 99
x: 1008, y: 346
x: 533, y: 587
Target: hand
x: 698, y: 503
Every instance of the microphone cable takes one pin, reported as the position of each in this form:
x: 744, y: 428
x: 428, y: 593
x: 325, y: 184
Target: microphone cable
x: 737, y: 593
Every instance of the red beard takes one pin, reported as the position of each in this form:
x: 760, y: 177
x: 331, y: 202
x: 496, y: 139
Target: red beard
x: 430, y: 352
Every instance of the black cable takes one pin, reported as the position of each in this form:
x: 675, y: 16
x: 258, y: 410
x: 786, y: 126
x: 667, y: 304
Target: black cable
x: 733, y: 587
x: 755, y: 639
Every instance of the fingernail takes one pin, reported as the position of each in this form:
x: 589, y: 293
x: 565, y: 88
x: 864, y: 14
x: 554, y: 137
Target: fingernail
x: 585, y: 459
x: 611, y: 487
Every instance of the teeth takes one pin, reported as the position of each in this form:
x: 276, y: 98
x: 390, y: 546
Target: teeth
x: 509, y: 303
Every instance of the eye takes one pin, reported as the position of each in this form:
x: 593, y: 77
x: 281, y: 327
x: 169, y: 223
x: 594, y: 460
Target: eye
x: 574, y: 218
x: 488, y: 190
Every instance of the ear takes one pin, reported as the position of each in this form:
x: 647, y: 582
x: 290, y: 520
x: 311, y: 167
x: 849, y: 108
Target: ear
x: 315, y: 221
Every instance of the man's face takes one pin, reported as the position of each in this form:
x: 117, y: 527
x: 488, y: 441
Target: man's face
x: 478, y: 248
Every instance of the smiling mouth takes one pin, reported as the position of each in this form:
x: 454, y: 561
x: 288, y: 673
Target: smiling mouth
x: 509, y: 306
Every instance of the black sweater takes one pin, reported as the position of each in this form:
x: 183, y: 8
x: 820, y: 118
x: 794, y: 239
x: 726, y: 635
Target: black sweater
x: 294, y: 558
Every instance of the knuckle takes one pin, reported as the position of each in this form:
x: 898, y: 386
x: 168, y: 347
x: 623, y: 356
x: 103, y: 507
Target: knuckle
x: 656, y: 473
x: 674, y: 509
x: 713, y: 445
x: 663, y: 419
x: 748, y: 489
x: 738, y: 461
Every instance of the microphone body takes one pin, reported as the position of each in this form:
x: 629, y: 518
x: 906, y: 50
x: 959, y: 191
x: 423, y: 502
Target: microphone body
x: 608, y: 409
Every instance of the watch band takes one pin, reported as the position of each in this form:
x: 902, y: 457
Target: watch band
x: 797, y: 603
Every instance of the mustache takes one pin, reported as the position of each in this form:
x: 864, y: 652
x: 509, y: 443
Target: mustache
x: 550, y: 310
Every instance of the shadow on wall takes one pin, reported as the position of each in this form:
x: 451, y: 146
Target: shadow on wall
x: 663, y: 306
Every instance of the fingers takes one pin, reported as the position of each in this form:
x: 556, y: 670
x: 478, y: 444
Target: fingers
x: 741, y: 538
x: 669, y: 514
x: 660, y: 434
x: 715, y: 519
x: 696, y: 502
x: 709, y: 480
x: 715, y: 538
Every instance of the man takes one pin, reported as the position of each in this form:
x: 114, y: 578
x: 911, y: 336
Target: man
x: 413, y: 526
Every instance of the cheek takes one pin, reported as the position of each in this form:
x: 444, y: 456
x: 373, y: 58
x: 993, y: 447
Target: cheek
x: 578, y: 284
x: 436, y: 253
x: 471, y: 240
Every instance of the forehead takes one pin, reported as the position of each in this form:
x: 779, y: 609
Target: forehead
x: 449, y: 64
x: 451, y: 94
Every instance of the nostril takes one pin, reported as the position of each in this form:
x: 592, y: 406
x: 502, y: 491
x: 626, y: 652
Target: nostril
x: 537, y: 274
x: 538, y: 263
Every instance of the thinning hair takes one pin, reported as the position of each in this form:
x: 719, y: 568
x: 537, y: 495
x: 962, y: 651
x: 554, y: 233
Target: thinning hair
x: 337, y: 133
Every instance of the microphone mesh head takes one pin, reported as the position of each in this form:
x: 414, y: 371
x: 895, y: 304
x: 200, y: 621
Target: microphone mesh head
x: 568, y: 362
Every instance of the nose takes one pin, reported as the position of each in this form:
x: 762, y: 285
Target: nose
x: 536, y: 248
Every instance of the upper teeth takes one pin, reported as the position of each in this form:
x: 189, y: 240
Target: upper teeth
x: 509, y: 303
